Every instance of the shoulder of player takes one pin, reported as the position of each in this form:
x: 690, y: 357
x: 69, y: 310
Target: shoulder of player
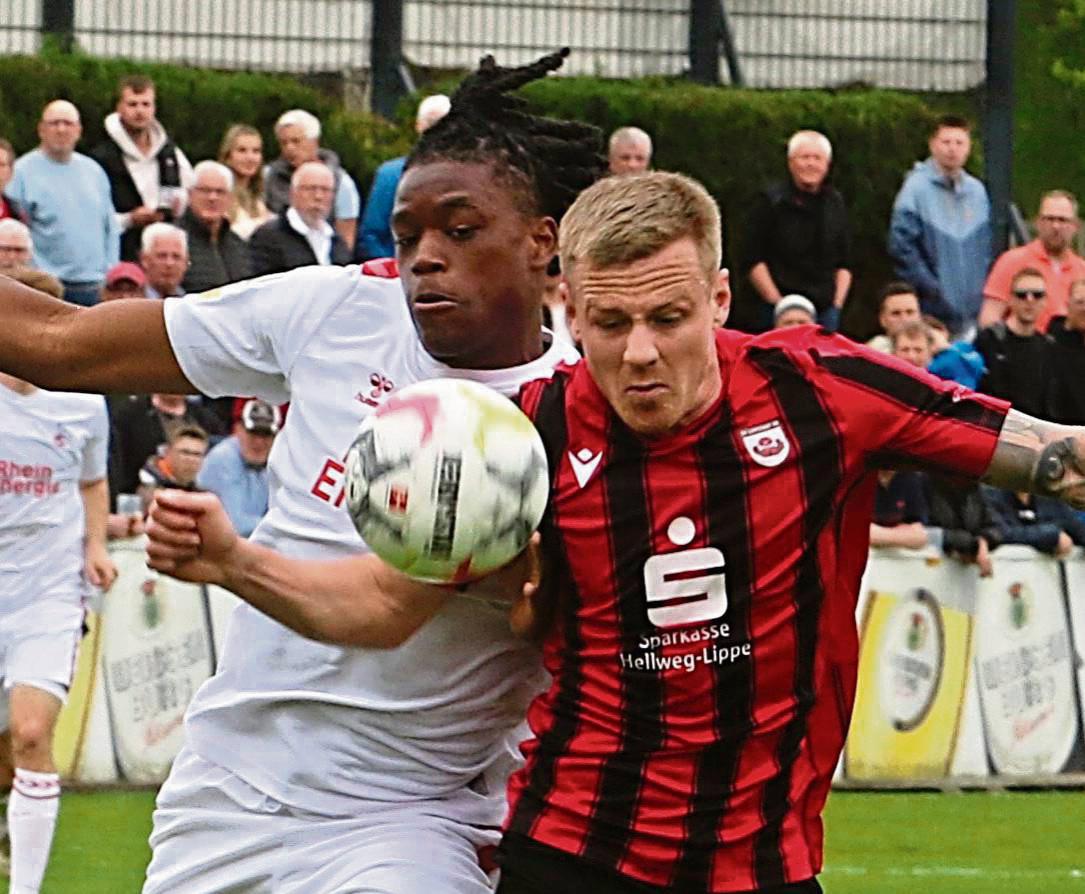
x: 532, y: 390
x: 330, y: 288
x: 793, y: 340
x: 77, y: 402
x: 811, y: 349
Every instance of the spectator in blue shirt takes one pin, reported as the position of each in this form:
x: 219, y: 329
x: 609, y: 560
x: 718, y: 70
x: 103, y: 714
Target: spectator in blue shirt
x: 236, y: 468
x: 940, y: 234
x: 375, y: 239
x: 69, y: 208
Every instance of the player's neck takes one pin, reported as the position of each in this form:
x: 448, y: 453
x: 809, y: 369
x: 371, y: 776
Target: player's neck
x: 19, y: 386
x: 515, y: 352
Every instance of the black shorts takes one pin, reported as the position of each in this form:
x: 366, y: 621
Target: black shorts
x: 528, y: 867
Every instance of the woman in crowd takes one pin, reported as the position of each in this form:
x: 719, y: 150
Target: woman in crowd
x: 242, y: 151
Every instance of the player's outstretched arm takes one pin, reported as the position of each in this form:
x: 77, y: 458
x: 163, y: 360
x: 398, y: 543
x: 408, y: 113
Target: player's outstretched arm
x: 355, y: 601
x: 1042, y: 457
x: 119, y: 346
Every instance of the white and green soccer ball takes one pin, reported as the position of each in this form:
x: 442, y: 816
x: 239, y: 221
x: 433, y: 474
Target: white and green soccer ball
x: 446, y: 480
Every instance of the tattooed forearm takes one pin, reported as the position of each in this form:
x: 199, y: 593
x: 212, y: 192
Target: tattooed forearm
x: 1041, y: 457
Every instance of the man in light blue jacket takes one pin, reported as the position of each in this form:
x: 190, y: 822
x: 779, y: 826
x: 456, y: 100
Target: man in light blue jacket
x: 69, y: 206
x: 940, y: 234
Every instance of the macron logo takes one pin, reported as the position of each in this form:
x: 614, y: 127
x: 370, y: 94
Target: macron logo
x: 584, y: 464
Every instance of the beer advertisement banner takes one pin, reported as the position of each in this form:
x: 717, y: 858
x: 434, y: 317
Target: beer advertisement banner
x: 157, y: 653
x: 1025, y: 665
x: 916, y: 639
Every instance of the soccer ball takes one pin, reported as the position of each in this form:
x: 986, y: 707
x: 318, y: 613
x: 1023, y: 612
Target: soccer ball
x: 446, y: 480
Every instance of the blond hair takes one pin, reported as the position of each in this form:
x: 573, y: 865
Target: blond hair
x: 247, y: 196
x: 624, y: 219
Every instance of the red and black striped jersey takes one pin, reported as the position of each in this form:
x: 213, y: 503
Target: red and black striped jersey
x: 704, y: 655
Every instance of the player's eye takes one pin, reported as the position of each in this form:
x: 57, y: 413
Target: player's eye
x: 405, y: 241
x: 462, y: 234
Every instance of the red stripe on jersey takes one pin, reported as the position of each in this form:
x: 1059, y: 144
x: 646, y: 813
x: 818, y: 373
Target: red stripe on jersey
x: 554, y: 717
x: 781, y: 853
x: 638, y: 694
x: 676, y: 501
x: 707, y: 849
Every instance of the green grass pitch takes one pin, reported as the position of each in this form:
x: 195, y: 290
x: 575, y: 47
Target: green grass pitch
x: 888, y: 843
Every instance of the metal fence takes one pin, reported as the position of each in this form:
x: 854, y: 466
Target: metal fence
x: 909, y: 44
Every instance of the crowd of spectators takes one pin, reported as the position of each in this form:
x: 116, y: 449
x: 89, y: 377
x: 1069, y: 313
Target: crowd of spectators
x: 134, y: 218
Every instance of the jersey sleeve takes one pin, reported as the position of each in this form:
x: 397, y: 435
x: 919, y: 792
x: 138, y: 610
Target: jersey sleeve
x: 96, y: 449
x: 891, y: 411
x: 244, y: 338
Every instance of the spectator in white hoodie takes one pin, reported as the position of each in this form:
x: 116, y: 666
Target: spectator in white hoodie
x: 148, y: 174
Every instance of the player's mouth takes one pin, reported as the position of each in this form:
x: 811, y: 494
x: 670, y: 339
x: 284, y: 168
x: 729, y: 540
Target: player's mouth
x: 433, y: 302
x: 645, y: 389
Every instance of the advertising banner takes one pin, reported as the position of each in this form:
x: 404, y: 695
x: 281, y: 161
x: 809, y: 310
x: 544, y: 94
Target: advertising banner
x: 915, y: 652
x: 157, y: 653
x: 1024, y: 665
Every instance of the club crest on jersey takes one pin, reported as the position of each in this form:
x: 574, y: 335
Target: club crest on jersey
x: 766, y: 443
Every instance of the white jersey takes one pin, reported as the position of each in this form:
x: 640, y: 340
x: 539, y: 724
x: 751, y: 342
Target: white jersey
x: 316, y: 726
x: 50, y: 441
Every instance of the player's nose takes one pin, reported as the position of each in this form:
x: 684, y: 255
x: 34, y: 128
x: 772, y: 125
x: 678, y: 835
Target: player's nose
x: 640, y: 346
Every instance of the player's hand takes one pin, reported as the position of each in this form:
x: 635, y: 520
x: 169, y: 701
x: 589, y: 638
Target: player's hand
x: 509, y: 582
x: 524, y: 616
x: 120, y: 527
x: 98, y: 566
x: 983, y: 558
x: 1065, y: 545
x: 144, y: 215
x: 190, y: 537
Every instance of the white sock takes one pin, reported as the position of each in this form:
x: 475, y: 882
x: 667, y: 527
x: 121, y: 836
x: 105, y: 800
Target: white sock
x: 32, y: 817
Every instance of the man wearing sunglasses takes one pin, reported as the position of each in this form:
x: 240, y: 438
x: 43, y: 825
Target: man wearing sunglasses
x: 1017, y: 354
x: 1050, y: 253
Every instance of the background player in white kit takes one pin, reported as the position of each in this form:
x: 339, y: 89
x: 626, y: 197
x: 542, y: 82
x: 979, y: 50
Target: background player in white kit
x: 307, y: 767
x: 54, y: 501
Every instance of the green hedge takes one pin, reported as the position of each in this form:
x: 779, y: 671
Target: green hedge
x: 732, y: 140
x: 1050, y: 100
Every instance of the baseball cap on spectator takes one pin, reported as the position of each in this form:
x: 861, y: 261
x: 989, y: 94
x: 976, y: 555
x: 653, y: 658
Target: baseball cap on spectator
x: 260, y: 418
x: 125, y: 271
x: 794, y: 302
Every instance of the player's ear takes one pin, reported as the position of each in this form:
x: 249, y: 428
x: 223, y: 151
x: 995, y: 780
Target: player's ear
x: 544, y: 242
x: 721, y: 297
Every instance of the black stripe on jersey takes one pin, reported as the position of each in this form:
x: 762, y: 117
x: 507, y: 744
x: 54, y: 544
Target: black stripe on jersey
x: 549, y: 418
x: 629, y: 530
x: 911, y: 392
x: 821, y: 467
x: 724, y: 484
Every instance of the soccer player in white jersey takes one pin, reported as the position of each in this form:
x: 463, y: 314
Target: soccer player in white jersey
x: 315, y: 768
x: 54, y: 501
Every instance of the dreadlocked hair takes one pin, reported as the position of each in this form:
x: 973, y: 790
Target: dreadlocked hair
x: 552, y: 160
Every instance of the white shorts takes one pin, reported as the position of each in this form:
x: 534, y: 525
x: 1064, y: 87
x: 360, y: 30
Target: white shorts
x: 213, y: 833
x: 39, y: 645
